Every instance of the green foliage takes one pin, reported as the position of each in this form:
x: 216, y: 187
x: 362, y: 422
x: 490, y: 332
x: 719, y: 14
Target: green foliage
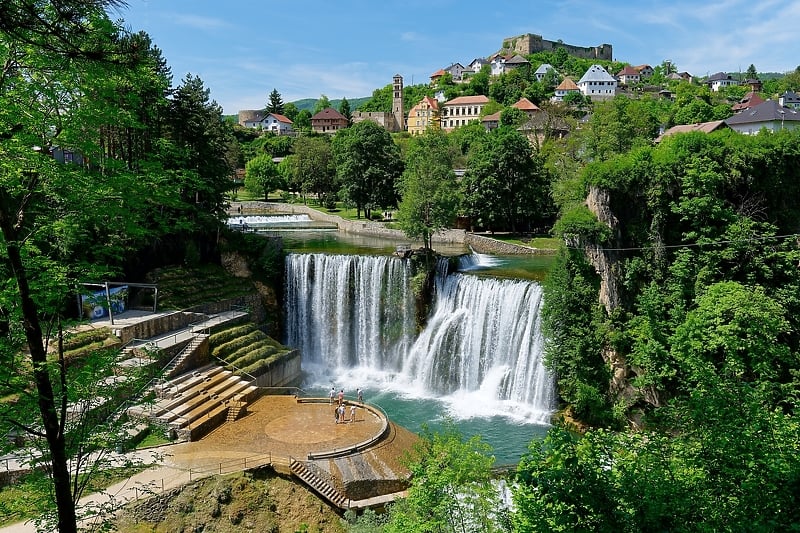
x: 314, y: 169
x: 262, y: 176
x: 506, y: 186
x: 451, y: 487
x: 275, y: 103
x: 368, y: 165
x: 427, y: 187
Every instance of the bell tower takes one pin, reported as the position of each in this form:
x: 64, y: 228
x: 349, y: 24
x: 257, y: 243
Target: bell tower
x: 397, y: 103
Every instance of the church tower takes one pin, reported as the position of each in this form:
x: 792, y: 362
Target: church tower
x: 397, y: 103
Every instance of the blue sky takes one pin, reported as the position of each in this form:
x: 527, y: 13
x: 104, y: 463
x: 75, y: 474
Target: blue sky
x: 242, y: 49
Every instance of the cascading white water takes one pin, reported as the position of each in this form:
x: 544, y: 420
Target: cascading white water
x: 266, y: 220
x: 482, y: 344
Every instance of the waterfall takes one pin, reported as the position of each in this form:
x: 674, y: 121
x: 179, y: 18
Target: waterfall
x: 481, y: 347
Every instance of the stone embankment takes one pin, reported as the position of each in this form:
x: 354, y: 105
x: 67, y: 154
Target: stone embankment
x: 479, y: 243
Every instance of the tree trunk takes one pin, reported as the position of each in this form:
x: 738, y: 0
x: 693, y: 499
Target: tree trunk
x: 67, y: 519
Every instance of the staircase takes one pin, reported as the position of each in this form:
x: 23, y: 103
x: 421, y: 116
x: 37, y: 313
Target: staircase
x: 235, y: 409
x: 188, y: 350
x: 196, y: 402
x: 322, y: 487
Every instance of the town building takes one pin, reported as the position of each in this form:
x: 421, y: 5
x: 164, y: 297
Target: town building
x: 328, y: 121
x: 542, y: 71
x: 424, y: 115
x: 789, y: 99
x: 503, y: 64
x: 598, y: 84
x: 720, y: 80
x: 749, y: 100
x: 564, y: 88
x: 628, y: 76
x: 461, y: 111
x: 769, y: 116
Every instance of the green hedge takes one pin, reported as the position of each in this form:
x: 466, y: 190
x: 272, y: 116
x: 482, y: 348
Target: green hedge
x: 224, y: 350
x: 227, y: 335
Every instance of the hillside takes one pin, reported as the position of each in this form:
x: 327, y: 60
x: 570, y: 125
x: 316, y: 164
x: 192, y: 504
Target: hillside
x: 258, y: 501
x: 309, y: 103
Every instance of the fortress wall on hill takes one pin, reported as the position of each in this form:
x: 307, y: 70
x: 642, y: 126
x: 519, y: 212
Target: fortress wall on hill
x: 530, y: 43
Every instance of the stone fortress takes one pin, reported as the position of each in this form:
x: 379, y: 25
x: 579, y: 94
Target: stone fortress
x: 531, y: 43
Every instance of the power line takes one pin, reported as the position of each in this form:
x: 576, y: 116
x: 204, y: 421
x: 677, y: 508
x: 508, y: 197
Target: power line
x: 693, y: 245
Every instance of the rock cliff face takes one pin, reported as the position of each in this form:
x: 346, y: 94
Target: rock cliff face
x: 605, y: 260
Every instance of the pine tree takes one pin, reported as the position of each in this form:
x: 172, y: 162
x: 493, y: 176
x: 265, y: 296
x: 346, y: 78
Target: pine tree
x: 275, y: 104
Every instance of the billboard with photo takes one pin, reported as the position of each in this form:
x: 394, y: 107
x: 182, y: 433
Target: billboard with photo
x: 95, y: 305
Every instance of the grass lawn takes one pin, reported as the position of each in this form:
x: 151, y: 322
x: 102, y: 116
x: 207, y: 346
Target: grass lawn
x: 544, y: 243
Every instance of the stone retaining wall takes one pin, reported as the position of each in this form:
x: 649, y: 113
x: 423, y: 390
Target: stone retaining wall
x: 156, y: 326
x: 480, y: 244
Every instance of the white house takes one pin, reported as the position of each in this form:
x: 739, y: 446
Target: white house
x: 502, y: 64
x: 598, y: 84
x: 770, y: 116
x: 277, y: 124
x: 719, y: 80
x: 477, y: 64
x: 542, y: 71
x: 564, y: 88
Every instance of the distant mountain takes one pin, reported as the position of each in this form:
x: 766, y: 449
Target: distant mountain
x: 309, y: 103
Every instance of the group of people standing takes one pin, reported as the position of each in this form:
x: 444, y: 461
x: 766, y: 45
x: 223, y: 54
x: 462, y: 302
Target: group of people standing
x: 339, y: 412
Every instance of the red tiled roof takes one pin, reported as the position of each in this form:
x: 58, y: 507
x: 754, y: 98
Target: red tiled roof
x: 466, y: 100
x: 567, y: 85
x: 706, y: 127
x: 328, y: 114
x: 628, y: 71
x: 281, y: 118
x: 439, y: 73
x: 526, y: 105
x: 751, y: 99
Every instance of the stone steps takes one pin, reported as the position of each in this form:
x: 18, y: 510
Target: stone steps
x: 322, y: 487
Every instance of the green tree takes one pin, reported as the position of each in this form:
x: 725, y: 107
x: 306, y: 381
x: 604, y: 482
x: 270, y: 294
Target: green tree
x: 344, y: 109
x: 302, y: 122
x: 752, y: 73
x: 290, y: 111
x: 315, y: 166
x: 451, y: 488
x: 275, y: 103
x: 321, y: 104
x: 506, y: 185
x: 52, y: 52
x: 203, y: 156
x: 381, y: 100
x: 427, y: 188
x: 368, y: 165
x: 618, y: 125
x: 262, y: 176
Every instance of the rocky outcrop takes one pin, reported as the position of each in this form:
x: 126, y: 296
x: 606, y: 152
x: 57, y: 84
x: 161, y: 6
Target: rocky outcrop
x: 605, y: 260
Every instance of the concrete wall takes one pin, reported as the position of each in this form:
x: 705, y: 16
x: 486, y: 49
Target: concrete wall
x: 479, y: 243
x: 156, y: 326
x: 283, y: 372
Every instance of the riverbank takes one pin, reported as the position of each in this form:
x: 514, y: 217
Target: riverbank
x: 483, y: 244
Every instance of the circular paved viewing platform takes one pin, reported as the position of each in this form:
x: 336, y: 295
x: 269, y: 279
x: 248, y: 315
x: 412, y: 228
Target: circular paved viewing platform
x: 285, y: 427
x: 363, y: 460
